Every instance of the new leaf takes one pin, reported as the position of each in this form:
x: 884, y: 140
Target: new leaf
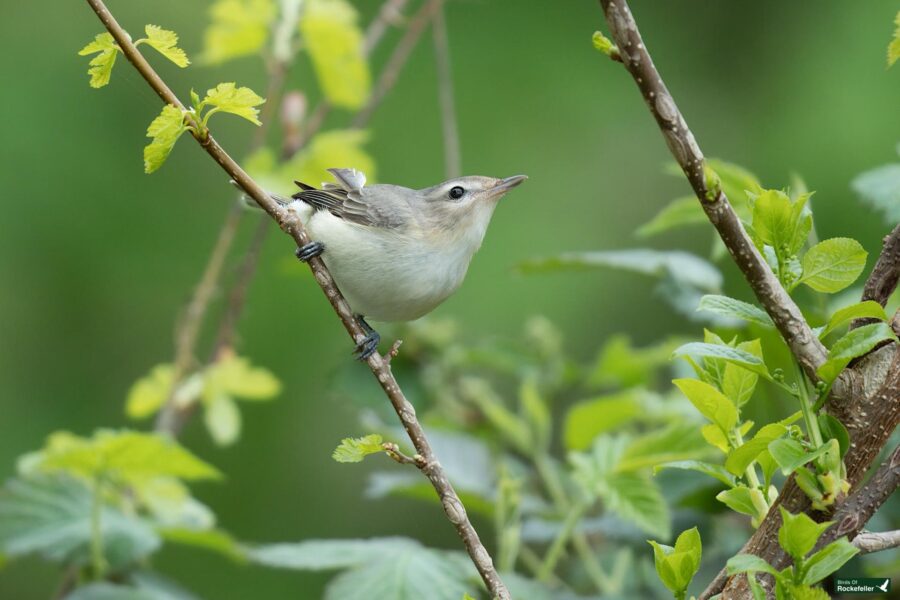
x: 166, y: 43
x: 165, y: 131
x: 102, y: 64
x: 227, y: 97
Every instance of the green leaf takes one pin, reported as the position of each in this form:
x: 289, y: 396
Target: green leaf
x: 798, y: 533
x: 586, y: 420
x: 353, y: 450
x: 861, y: 310
x: 238, y: 28
x: 757, y: 590
x: 233, y: 375
x: 832, y: 429
x: 710, y: 402
x: 736, y: 356
x: 166, y: 43
x: 731, y: 307
x: 240, y: 101
x: 894, y: 47
x: 222, y: 418
x: 165, y: 130
x: 480, y: 393
x: 713, y: 470
x: 739, y: 383
x: 741, y: 457
x: 670, y: 567
x: 321, y: 555
x: 828, y: 560
x: 714, y: 436
x: 634, y: 497
x: 102, y: 64
x: 791, y: 455
x: 335, y: 45
x: 802, y: 592
x: 768, y: 465
x: 109, y: 591
x: 678, y: 213
x: 603, y: 44
x: 833, y: 264
x: 51, y: 516
x: 149, y: 393
x: 748, y: 563
x: 678, y: 441
x: 880, y: 189
x: 773, y: 223
x: 214, y: 540
x: 536, y: 411
x: 855, y: 343
x: 620, y: 364
x: 739, y: 499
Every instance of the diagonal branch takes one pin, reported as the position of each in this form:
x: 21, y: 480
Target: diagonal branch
x: 768, y: 290
x: 885, y: 274
x: 290, y: 223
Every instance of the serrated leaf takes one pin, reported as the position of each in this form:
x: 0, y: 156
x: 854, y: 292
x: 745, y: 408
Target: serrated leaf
x: 636, y: 498
x: 880, y: 189
x: 713, y: 470
x: 148, y: 394
x: 102, y: 64
x: 861, y: 310
x: 238, y: 28
x: 798, y: 533
x: 748, y: 563
x: 855, y: 343
x: 240, y: 101
x: 828, y: 560
x: 353, y: 450
x: 833, y: 264
x: 741, y: 457
x: 731, y: 307
x: 710, y: 402
x: 737, y: 356
x: 335, y: 43
x: 893, y: 52
x: 166, y: 43
x: 165, y: 130
x: 678, y: 213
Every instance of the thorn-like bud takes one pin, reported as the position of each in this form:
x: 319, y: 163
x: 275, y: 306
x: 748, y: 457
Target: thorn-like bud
x: 605, y: 45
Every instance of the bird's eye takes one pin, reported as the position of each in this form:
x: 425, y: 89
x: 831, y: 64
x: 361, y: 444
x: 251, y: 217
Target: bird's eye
x: 457, y: 192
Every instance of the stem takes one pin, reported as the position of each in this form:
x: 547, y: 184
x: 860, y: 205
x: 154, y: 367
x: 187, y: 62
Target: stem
x: 98, y: 561
x: 592, y: 566
x: 752, y: 478
x: 555, y: 552
x: 809, y: 417
x: 289, y: 222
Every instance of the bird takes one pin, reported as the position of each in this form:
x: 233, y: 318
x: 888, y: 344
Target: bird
x: 396, y: 253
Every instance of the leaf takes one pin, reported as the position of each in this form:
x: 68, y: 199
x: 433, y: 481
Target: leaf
x: 894, y: 47
x: 586, y: 420
x: 536, y: 411
x: 714, y: 436
x: 678, y: 213
x: 791, y: 455
x: 739, y: 383
x: 102, y: 64
x: 739, y: 499
x: 166, y: 43
x: 798, y: 533
x: 833, y: 264
x: 741, y: 457
x: 620, y: 364
x: 214, y: 540
x: 353, y: 450
x: 678, y: 441
x: 165, y: 130
x: 832, y: 429
x: 223, y: 420
x: 674, y: 568
x: 861, y: 310
x: 727, y: 353
x: 634, y: 497
x: 731, y: 307
x: 51, y: 516
x: 479, y: 392
x: 240, y: 101
x: 238, y: 28
x: 773, y: 221
x: 149, y: 393
x: 319, y: 555
x: 233, y: 375
x: 335, y: 43
x: 855, y: 343
x: 748, y: 563
x: 828, y: 560
x: 710, y: 402
x: 713, y: 470
x: 108, y: 591
x: 880, y: 189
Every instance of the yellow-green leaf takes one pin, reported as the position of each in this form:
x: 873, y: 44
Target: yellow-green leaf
x: 710, y: 402
x: 833, y: 264
x: 894, y: 48
x: 165, y: 130
x: 102, y: 64
x: 149, y: 393
x: 356, y: 449
x: 223, y: 420
x: 240, y: 101
x: 335, y: 44
x: 235, y: 376
x: 166, y: 43
x: 238, y: 28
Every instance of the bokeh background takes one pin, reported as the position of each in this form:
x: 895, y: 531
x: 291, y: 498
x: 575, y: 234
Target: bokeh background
x: 97, y: 259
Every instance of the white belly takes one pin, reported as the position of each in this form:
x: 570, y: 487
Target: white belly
x: 383, y: 277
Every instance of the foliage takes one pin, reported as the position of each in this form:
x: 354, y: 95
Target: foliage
x: 104, y: 46
x: 356, y: 449
x: 677, y: 565
x: 880, y: 189
x: 237, y: 28
x: 894, y: 47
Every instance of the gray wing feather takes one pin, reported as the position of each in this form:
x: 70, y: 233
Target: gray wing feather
x: 349, y: 201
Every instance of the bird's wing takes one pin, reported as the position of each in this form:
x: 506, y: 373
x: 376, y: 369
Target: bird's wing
x: 349, y: 201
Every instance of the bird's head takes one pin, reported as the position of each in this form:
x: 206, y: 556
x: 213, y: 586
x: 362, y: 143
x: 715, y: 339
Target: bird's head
x: 462, y: 207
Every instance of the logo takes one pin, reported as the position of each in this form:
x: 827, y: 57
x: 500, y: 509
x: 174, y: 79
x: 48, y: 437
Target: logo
x: 862, y: 585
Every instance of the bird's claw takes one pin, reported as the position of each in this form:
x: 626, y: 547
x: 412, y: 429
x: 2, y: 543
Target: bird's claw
x: 368, y: 345
x: 309, y: 251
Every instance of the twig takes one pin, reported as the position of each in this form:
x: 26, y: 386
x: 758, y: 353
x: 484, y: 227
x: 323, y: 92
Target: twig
x: 452, y: 160
x: 883, y: 279
x: 397, y: 60
x: 768, y: 290
x: 290, y: 223
x: 876, y: 541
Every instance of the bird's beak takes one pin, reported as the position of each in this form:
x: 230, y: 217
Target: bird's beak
x: 509, y: 183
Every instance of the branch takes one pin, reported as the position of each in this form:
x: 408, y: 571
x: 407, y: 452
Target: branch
x: 290, y: 223
x: 871, y: 541
x: 883, y: 279
x: 784, y: 312
x: 452, y: 160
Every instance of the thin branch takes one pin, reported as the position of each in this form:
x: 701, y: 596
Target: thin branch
x: 885, y: 274
x: 452, y: 160
x: 289, y: 222
x: 876, y: 541
x: 784, y: 312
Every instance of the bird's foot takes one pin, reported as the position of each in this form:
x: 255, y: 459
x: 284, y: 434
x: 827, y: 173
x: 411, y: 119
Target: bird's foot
x: 309, y: 251
x: 367, y: 346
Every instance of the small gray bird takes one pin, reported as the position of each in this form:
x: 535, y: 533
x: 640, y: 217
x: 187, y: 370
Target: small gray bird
x: 396, y: 253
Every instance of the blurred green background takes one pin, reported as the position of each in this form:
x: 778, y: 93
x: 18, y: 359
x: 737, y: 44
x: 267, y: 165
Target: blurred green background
x: 97, y: 259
